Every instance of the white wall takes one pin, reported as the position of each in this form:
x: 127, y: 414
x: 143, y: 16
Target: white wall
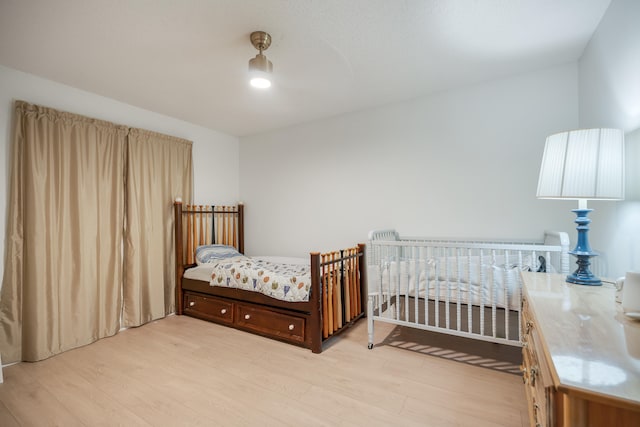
x: 215, y: 155
x: 462, y: 163
x: 609, y: 91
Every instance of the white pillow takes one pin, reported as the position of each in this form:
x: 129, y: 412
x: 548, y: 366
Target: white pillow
x: 212, y: 253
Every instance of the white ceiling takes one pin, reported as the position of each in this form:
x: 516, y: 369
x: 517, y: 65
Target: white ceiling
x: 188, y: 58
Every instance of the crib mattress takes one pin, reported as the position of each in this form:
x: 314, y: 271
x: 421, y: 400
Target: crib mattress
x: 487, y: 285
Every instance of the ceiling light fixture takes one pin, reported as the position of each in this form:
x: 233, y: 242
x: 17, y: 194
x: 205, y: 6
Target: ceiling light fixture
x: 260, y: 68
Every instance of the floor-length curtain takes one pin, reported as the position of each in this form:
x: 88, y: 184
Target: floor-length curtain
x: 159, y: 170
x: 63, y: 261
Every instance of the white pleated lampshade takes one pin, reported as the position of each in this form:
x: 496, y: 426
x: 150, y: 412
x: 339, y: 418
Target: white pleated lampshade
x: 583, y: 164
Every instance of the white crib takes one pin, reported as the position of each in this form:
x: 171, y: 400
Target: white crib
x: 466, y: 288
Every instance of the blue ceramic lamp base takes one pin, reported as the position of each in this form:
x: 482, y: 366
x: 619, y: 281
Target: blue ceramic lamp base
x: 583, y: 275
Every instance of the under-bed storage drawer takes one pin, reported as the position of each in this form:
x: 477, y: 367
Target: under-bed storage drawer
x: 208, y: 308
x: 267, y: 322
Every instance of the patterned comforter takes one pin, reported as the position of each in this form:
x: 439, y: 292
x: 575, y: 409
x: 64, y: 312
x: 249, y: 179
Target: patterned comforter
x: 286, y: 282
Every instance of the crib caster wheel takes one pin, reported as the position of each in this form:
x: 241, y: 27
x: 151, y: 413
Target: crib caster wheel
x: 370, y: 346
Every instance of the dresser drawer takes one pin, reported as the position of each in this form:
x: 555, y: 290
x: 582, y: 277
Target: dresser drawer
x: 209, y: 308
x: 541, y: 375
x: 536, y: 375
x: 270, y: 323
x: 530, y: 391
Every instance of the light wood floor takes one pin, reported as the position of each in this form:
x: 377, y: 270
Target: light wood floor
x: 181, y: 371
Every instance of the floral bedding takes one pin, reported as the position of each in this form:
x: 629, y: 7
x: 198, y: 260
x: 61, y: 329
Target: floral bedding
x: 283, y: 281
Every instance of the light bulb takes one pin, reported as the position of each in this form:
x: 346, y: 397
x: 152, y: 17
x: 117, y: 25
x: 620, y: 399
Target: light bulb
x: 260, y: 82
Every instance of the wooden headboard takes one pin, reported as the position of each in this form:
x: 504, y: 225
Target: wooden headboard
x: 197, y: 225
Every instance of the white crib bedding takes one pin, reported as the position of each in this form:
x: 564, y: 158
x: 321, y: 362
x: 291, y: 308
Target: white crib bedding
x: 451, y: 280
x: 283, y: 278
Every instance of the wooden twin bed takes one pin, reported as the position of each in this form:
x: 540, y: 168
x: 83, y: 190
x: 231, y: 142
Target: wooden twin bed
x: 335, y: 297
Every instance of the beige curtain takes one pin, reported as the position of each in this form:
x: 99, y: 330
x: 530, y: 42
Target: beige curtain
x: 63, y: 261
x: 159, y: 170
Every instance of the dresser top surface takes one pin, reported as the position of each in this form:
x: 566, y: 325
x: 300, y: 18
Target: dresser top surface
x: 593, y: 346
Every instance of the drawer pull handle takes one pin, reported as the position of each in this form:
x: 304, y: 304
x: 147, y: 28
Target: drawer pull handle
x: 223, y: 311
x: 524, y: 374
x: 247, y: 316
x: 534, y: 372
x: 192, y: 303
x: 291, y: 327
x: 529, y: 326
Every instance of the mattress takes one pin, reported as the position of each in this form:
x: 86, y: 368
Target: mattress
x: 282, y: 278
x: 449, y: 280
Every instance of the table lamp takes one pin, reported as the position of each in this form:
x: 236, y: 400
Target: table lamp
x: 584, y: 164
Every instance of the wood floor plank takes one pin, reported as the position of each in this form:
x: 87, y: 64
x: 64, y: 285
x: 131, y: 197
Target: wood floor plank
x: 6, y: 418
x: 184, y: 371
x: 29, y: 402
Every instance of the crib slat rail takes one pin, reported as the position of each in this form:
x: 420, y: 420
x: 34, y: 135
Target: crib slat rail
x: 465, y: 288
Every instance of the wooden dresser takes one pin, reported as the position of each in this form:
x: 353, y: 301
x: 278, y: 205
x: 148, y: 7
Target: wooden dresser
x: 581, y: 355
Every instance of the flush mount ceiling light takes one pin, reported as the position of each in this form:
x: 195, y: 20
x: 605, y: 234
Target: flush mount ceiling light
x: 260, y: 67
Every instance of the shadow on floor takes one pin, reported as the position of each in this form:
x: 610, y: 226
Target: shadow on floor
x: 498, y: 357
